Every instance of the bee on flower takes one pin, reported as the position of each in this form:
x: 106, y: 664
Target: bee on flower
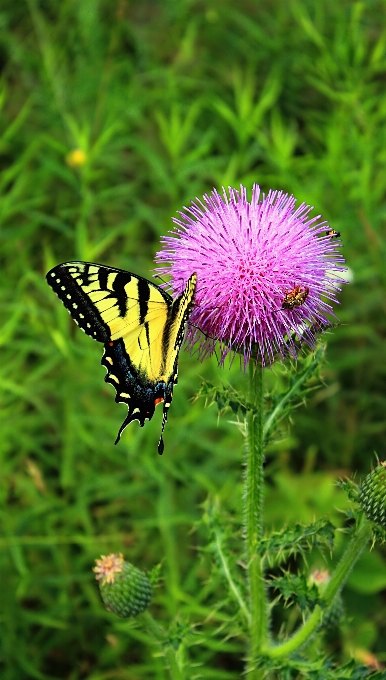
x: 295, y: 297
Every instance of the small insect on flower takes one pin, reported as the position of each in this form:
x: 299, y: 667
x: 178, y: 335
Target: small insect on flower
x: 332, y: 233
x: 295, y: 297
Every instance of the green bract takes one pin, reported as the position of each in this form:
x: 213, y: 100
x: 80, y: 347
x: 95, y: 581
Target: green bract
x: 372, y: 495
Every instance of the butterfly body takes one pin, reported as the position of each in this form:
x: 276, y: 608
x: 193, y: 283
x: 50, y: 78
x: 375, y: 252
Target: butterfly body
x: 141, y: 326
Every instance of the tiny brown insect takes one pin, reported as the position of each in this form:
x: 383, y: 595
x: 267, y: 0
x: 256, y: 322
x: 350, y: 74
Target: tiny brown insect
x: 332, y: 233
x: 295, y: 297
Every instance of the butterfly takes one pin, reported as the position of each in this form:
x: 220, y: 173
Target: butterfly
x: 142, y: 328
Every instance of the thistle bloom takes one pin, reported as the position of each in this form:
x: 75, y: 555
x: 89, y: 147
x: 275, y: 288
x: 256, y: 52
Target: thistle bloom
x: 267, y: 273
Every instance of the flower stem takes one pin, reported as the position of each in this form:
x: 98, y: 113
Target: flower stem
x: 253, y: 511
x: 169, y: 652
x: 234, y: 590
x: 357, y: 544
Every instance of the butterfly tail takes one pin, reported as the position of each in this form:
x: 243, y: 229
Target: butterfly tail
x: 167, y: 401
x: 164, y: 421
x: 161, y: 445
x: 125, y: 423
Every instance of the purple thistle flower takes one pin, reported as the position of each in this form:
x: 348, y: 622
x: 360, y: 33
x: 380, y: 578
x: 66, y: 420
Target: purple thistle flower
x: 266, y: 272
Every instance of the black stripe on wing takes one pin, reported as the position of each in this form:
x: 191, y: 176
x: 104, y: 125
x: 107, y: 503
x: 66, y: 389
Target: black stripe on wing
x: 78, y: 303
x: 67, y: 280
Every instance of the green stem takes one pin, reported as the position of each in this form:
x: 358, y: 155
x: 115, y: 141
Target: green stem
x: 170, y: 544
x: 357, y: 544
x: 253, y: 504
x: 227, y: 573
x: 170, y: 653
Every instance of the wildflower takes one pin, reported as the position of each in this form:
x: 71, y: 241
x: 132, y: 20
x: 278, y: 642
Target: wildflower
x: 266, y: 272
x: 125, y: 590
x: 76, y: 158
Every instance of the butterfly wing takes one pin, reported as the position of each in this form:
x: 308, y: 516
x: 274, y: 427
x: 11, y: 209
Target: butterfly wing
x: 141, y: 326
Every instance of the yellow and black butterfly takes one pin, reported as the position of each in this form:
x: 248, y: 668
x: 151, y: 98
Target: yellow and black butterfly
x: 142, y: 328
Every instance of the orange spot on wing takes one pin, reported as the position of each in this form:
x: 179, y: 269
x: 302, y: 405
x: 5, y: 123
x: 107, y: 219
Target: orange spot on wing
x: 111, y: 344
x: 158, y: 401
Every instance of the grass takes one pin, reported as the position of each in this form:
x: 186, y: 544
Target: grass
x: 167, y: 100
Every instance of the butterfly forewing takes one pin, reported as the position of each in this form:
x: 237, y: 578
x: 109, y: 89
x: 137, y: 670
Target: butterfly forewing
x: 141, y: 326
x: 104, y: 301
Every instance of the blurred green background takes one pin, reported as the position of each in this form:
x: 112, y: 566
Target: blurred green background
x: 162, y: 101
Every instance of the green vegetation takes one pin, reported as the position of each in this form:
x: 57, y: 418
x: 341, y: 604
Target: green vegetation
x: 166, y: 100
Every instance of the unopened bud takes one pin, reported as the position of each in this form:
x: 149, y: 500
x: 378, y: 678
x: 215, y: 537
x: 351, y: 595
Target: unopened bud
x: 332, y: 617
x: 372, y: 495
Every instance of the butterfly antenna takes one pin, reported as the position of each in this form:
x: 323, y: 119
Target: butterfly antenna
x: 209, y: 337
x: 157, y: 276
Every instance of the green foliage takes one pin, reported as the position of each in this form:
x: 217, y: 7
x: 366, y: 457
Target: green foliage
x: 225, y: 397
x: 282, y: 404
x: 323, y: 669
x: 278, y: 546
x: 350, y: 488
x: 296, y: 392
x: 167, y: 100
x: 296, y: 588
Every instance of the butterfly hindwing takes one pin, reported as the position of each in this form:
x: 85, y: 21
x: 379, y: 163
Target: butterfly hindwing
x: 133, y: 388
x: 141, y: 326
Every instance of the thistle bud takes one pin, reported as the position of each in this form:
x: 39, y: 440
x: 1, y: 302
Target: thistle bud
x: 125, y: 590
x: 333, y: 616
x: 372, y: 495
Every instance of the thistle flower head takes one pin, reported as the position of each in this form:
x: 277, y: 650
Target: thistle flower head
x: 107, y: 567
x: 125, y: 590
x: 267, y: 273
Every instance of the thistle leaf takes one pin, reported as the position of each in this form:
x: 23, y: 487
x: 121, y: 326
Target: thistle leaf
x: 284, y: 402
x: 298, y: 539
x: 296, y: 589
x: 225, y: 397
